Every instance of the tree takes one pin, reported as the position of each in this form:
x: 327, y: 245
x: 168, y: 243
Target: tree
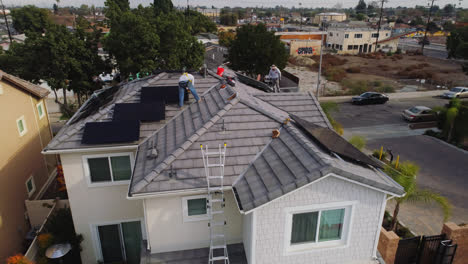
x: 360, y: 17
x: 361, y: 7
x: 448, y: 10
x: 114, y: 9
x: 448, y: 26
x: 226, y: 38
x: 199, y: 23
x: 255, y: 49
x: 162, y: 6
x: 134, y: 44
x: 30, y: 19
x: 229, y: 19
x: 455, y: 42
x: 405, y: 175
x: 55, y: 7
x: 417, y: 21
x: 432, y: 27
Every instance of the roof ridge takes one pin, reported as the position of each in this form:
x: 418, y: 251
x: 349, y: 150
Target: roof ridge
x: 262, y: 110
x: 23, y: 84
x: 319, y: 107
x: 184, y: 146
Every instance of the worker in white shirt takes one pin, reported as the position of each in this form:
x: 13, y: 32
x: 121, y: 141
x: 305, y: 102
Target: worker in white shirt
x: 186, y: 82
x: 275, y: 77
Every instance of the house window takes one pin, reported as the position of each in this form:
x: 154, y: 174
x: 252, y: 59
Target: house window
x: 21, y: 124
x: 386, y: 34
x: 194, y: 208
x: 375, y: 35
x: 40, y: 110
x: 105, y: 169
x: 357, y: 35
x: 350, y: 47
x: 30, y: 186
x: 356, y: 47
x: 331, y: 34
x: 318, y: 226
x: 346, y: 35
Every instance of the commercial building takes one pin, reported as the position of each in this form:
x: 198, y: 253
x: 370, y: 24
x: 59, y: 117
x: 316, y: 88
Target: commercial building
x: 24, y: 171
x: 354, y: 40
x: 304, y: 47
x: 327, y: 17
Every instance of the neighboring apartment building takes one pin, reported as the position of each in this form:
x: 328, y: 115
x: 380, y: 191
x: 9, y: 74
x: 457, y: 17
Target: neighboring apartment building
x: 355, y: 40
x: 328, y: 17
x: 24, y: 171
x: 288, y: 199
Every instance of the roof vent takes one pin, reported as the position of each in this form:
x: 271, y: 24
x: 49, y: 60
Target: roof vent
x: 152, y: 152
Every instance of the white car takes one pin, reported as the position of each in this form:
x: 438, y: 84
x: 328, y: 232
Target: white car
x: 106, y: 77
x: 456, y: 92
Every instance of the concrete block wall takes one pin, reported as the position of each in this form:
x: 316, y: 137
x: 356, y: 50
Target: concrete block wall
x: 366, y: 222
x: 459, y: 235
x: 388, y: 245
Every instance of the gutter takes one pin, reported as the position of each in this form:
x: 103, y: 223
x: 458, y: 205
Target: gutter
x: 60, y: 151
x: 139, y: 196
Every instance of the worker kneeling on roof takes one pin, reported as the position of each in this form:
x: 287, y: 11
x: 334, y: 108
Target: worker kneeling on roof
x: 186, y: 82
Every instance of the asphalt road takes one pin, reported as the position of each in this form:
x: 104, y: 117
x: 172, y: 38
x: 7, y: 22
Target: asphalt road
x: 431, y: 50
x: 444, y: 168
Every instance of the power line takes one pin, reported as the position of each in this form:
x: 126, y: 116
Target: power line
x: 378, y: 26
x: 427, y: 27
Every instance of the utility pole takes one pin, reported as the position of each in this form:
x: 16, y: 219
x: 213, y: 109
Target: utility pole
x: 427, y: 27
x: 320, y: 64
x: 6, y: 21
x: 300, y: 12
x: 378, y: 25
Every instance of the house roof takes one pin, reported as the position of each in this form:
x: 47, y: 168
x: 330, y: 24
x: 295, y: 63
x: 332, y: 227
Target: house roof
x: 293, y: 160
x: 24, y: 85
x: 70, y: 136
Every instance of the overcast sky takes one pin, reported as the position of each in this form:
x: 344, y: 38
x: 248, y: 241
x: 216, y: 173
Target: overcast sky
x: 243, y: 3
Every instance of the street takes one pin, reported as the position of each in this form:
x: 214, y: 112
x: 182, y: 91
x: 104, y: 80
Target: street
x: 442, y: 167
x: 431, y: 50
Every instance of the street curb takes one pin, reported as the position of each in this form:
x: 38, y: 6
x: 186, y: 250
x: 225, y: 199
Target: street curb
x: 448, y: 144
x: 402, y: 95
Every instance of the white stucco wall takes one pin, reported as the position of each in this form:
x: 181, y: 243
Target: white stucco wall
x: 91, y: 206
x: 337, y: 37
x: 168, y: 232
x: 247, y: 236
x: 365, y: 223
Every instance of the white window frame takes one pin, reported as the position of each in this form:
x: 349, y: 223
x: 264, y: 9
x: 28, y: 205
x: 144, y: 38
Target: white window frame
x: 194, y: 218
x: 25, y: 128
x: 108, y: 156
x: 97, y: 241
x: 301, y: 248
x: 30, y: 192
x: 41, y: 105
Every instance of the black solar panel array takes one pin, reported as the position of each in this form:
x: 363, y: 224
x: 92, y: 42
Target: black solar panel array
x: 150, y: 112
x: 111, y: 132
x: 169, y: 94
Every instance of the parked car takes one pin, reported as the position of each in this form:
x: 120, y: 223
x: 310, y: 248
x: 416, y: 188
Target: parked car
x: 370, y: 98
x: 456, y: 92
x: 419, y: 114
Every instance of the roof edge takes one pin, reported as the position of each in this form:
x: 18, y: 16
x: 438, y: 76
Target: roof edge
x: 14, y: 80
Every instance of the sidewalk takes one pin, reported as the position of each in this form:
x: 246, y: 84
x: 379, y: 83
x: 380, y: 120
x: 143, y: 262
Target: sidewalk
x: 401, y: 95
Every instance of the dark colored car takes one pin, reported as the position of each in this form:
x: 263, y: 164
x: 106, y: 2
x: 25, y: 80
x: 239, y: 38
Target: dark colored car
x: 370, y: 98
x: 419, y: 114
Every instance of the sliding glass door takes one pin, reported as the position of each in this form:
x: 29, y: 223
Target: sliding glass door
x: 121, y: 243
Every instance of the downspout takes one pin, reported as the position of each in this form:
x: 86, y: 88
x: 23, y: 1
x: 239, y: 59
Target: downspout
x: 379, y: 227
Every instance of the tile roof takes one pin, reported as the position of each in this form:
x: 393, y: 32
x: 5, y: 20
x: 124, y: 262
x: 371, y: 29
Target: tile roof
x: 25, y: 85
x: 292, y: 160
x: 69, y: 137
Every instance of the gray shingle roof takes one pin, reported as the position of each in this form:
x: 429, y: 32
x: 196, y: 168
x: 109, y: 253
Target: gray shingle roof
x: 293, y: 160
x: 69, y: 137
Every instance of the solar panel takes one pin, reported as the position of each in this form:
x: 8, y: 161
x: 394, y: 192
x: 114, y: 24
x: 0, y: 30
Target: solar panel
x: 111, y: 132
x: 333, y: 142
x: 92, y: 105
x: 154, y: 111
x: 169, y: 94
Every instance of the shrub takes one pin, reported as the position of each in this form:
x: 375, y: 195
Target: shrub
x: 386, y: 89
x: 384, y: 67
x: 335, y: 74
x: 354, y: 69
x: 376, y: 153
x: 45, y: 240
x: 18, y: 259
x: 358, y: 141
x: 377, y: 83
x: 355, y: 87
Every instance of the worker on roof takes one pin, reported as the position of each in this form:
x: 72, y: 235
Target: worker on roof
x: 186, y: 82
x: 275, y: 77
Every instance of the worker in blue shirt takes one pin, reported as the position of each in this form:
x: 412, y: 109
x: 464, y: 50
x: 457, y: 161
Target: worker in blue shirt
x: 186, y: 82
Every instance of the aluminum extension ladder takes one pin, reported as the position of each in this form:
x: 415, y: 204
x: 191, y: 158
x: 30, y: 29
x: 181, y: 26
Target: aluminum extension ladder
x: 216, y: 203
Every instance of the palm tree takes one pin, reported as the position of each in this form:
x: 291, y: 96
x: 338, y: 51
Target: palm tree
x: 405, y: 175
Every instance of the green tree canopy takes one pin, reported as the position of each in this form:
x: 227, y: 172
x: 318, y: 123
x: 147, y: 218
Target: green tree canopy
x: 361, y: 7
x: 456, y: 41
x: 199, y: 23
x: 229, y: 19
x: 163, y: 6
x: 115, y: 8
x: 255, y: 49
x: 30, y: 19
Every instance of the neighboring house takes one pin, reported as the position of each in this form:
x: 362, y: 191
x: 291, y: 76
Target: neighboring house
x: 399, y: 29
x: 351, y: 40
x: 327, y: 17
x: 289, y: 199
x: 24, y: 172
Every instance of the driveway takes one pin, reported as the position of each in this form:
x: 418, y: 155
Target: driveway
x: 444, y: 168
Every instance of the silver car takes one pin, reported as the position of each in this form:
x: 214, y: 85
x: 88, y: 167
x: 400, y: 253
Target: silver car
x: 419, y: 114
x: 456, y: 92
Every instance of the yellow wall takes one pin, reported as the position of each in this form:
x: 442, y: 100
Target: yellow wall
x: 20, y: 157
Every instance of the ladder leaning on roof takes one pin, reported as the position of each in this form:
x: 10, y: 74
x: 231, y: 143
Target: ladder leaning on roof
x: 216, y: 203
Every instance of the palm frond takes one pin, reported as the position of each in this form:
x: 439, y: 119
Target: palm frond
x: 428, y: 196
